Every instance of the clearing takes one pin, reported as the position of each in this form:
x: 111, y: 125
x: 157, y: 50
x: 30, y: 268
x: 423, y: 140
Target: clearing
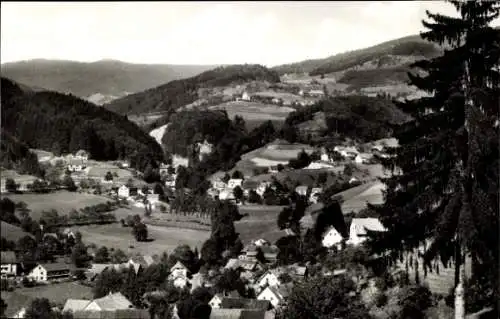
x: 261, y: 222
x: 11, y: 232
x: 165, y: 238
x: 62, y: 201
x: 158, y: 133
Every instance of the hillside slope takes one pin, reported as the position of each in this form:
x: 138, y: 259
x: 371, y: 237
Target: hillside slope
x: 178, y: 93
x: 407, y: 46
x: 63, y: 123
x: 106, y: 77
x: 17, y: 156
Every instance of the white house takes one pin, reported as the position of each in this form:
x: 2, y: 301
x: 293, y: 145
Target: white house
x: 315, y: 193
x: 363, y: 158
x: 125, y: 192
x: 261, y: 242
x: 82, y: 154
x: 245, y: 96
x: 179, y: 275
x: 9, y: 264
x: 226, y: 195
x: 360, y: 226
x: 111, y: 302
x: 233, y: 182
x: 317, y: 93
x: 269, y: 278
x: 48, y: 272
x: 332, y: 238
x: 347, y: 152
x: 261, y: 189
x: 325, y: 157
x: 219, y: 185
x: 216, y: 300
x: 301, y: 190
x: 76, y: 165
x: 275, y: 295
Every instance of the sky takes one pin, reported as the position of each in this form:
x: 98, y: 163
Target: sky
x: 268, y: 33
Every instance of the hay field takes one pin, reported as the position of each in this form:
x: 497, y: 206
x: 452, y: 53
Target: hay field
x: 260, y: 223
x: 165, y: 238
x: 62, y: 201
x: 11, y: 232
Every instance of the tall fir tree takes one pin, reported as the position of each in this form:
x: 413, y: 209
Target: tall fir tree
x: 446, y: 193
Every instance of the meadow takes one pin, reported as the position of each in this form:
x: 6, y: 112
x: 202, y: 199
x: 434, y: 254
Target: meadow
x: 164, y: 238
x: 259, y: 223
x: 11, y: 232
x: 62, y: 201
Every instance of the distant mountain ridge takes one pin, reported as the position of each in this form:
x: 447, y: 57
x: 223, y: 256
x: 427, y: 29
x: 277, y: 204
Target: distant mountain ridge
x: 409, y: 45
x: 106, y: 77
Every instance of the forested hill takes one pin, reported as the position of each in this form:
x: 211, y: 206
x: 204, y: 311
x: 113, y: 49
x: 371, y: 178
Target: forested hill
x: 17, y: 156
x: 64, y: 123
x: 178, y: 93
x: 407, y: 46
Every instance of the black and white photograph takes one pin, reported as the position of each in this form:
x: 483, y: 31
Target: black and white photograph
x: 250, y: 159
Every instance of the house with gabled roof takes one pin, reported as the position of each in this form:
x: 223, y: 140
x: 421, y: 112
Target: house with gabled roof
x: 76, y: 305
x: 10, y: 264
x: 269, y: 278
x: 179, y: 275
x: 276, y: 295
x: 49, y: 271
x: 301, y: 190
x: 244, y: 303
x: 110, y: 302
x: 143, y: 261
x: 216, y: 300
x: 360, y: 227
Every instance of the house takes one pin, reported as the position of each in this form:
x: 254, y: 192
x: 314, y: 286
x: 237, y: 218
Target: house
x: 179, y: 275
x: 143, y: 261
x: 275, y: 295
x: 273, y: 169
x: 245, y: 96
x: 219, y: 185
x: 325, y: 157
x: 361, y: 226
x: 353, y: 180
x: 320, y: 165
x: 269, y: 278
x: 261, y: 242
x: 76, y: 165
x: 82, y: 154
x: 297, y: 272
x: 261, y: 189
x: 246, y: 265
x: 74, y: 305
x: 315, y: 193
x: 363, y: 158
x: 316, y: 93
x: 111, y: 302
x: 233, y: 182
x: 125, y: 192
x: 9, y: 264
x: 226, y: 195
x: 212, y: 192
x: 346, y: 152
x: 153, y: 199
x: 301, y: 190
x: 332, y: 238
x: 250, y: 252
x: 216, y: 300
x: 49, y: 271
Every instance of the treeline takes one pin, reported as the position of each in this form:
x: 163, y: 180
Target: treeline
x: 65, y: 124
x: 357, y: 117
x: 17, y: 156
x: 178, y: 93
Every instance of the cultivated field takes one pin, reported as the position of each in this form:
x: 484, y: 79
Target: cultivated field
x: 165, y: 238
x: 98, y: 170
x: 57, y: 293
x: 260, y: 223
x: 11, y: 232
x: 62, y: 201
x: 255, y: 113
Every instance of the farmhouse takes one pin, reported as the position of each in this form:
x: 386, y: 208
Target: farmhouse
x: 9, y: 264
x: 270, y: 252
x: 226, y: 195
x: 111, y: 302
x: 360, y: 227
x: 216, y: 300
x: 261, y: 189
x: 179, y: 275
x: 269, y: 278
x: 125, y: 192
x: 49, y: 272
x: 76, y: 165
x: 275, y: 295
x: 363, y: 158
x: 82, y: 155
x: 143, y: 261
x: 346, y: 152
x: 232, y: 183
x: 315, y: 193
x: 332, y: 238
x: 301, y: 190
x: 245, y: 96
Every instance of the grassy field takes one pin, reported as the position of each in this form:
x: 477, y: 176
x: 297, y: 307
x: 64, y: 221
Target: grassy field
x: 57, y: 293
x: 11, y: 232
x: 260, y: 223
x: 61, y: 201
x: 165, y: 238
x: 99, y: 170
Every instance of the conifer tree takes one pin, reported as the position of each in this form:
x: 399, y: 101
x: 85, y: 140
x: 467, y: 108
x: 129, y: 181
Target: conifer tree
x: 448, y: 155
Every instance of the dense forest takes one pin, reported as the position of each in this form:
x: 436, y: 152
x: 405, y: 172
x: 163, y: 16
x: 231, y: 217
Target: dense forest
x: 17, y: 156
x: 65, y: 124
x: 178, y: 93
x: 357, y: 117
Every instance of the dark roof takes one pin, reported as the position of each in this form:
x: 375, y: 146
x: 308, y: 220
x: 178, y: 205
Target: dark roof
x: 8, y: 257
x: 217, y: 313
x: 55, y: 266
x: 244, y: 303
